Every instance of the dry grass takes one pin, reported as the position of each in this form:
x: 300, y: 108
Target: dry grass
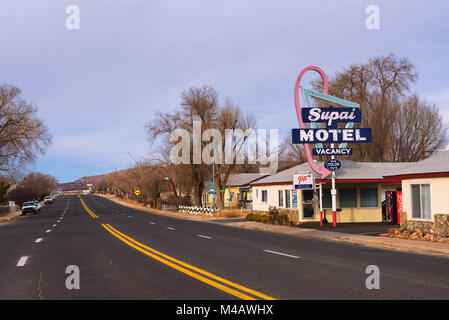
x: 231, y: 213
x: 132, y: 202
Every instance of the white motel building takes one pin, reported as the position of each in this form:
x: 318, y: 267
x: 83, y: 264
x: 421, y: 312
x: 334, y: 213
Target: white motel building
x: 361, y: 189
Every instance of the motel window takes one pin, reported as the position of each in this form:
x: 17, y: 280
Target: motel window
x: 287, y: 199
x: 327, y: 198
x: 264, y: 195
x: 281, y: 198
x: 421, y: 201
x: 348, y: 198
x: 368, y: 198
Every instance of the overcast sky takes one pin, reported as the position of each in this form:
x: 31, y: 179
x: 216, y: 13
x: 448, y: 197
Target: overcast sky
x: 98, y: 86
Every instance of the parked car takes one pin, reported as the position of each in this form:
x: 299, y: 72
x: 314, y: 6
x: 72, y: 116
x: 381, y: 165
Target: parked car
x: 48, y: 200
x: 38, y: 205
x: 30, y: 206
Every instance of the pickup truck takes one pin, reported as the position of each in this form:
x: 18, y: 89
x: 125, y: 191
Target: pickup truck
x: 48, y: 200
x: 30, y: 206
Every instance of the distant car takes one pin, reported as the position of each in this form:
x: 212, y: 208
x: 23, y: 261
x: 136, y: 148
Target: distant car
x: 48, y: 200
x: 30, y: 206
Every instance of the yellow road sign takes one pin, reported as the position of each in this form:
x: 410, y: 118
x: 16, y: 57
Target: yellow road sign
x: 137, y: 192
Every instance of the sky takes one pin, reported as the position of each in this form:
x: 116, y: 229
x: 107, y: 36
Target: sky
x: 97, y: 87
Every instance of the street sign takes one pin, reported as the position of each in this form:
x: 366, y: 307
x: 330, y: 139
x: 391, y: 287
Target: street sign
x: 212, y: 188
x: 303, y: 181
x: 332, y: 164
x: 137, y: 192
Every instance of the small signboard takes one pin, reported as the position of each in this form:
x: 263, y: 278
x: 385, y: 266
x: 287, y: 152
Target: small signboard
x: 303, y: 181
x: 137, y: 192
x: 212, y: 188
x: 332, y: 151
x: 332, y: 164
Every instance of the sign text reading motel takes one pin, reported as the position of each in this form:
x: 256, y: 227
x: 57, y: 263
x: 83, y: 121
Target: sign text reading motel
x: 349, y: 135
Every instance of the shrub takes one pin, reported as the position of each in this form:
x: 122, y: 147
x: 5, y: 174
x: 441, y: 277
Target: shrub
x: 274, y: 217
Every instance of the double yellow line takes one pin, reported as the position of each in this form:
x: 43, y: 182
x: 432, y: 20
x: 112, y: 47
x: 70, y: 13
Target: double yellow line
x: 197, y: 273
x: 194, y: 272
x: 93, y: 215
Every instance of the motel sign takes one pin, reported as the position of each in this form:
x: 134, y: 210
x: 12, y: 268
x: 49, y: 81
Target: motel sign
x: 331, y: 134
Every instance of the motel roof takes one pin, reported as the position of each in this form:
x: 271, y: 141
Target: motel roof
x: 243, y: 179
x: 350, y: 171
x: 436, y: 164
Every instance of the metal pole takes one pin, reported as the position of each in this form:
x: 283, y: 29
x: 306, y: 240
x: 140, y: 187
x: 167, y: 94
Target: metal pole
x: 334, y: 196
x: 213, y: 172
x: 321, y: 204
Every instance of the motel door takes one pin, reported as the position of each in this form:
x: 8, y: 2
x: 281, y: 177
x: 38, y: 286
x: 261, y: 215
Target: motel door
x: 308, y: 209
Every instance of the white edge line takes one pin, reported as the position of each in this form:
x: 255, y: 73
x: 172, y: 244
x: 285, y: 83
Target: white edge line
x: 205, y: 237
x: 282, y: 254
x: 22, y: 261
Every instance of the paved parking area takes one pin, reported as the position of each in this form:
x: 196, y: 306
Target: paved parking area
x: 366, y: 228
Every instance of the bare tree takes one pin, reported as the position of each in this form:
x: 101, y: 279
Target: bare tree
x: 34, y: 186
x: 22, y: 135
x: 418, y: 130
x: 202, y: 104
x: 380, y: 86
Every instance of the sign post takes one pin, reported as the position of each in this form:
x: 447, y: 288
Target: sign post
x: 334, y: 196
x: 321, y: 204
x: 137, y: 193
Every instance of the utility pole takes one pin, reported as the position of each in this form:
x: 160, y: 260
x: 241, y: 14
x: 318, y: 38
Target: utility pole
x: 213, y: 172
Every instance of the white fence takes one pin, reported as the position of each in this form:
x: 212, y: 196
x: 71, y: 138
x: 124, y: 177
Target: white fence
x: 197, y: 210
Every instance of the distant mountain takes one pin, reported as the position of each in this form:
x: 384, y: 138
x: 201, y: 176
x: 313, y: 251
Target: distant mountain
x: 79, y: 184
x: 89, y: 179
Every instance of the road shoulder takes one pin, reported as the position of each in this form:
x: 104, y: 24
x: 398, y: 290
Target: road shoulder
x: 403, y: 245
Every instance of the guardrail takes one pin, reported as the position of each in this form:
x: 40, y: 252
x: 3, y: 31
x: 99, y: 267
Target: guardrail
x: 197, y: 210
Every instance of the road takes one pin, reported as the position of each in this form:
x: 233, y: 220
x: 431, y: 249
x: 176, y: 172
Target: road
x: 123, y: 253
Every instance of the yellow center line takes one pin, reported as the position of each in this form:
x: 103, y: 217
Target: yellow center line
x: 198, y: 270
x: 181, y: 269
x: 93, y: 215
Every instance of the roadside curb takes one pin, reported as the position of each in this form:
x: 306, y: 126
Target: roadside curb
x: 10, y: 217
x: 177, y: 215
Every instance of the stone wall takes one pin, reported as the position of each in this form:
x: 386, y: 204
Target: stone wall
x: 440, y: 225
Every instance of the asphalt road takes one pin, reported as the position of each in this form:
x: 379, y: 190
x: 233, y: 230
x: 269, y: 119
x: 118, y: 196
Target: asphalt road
x: 124, y: 253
